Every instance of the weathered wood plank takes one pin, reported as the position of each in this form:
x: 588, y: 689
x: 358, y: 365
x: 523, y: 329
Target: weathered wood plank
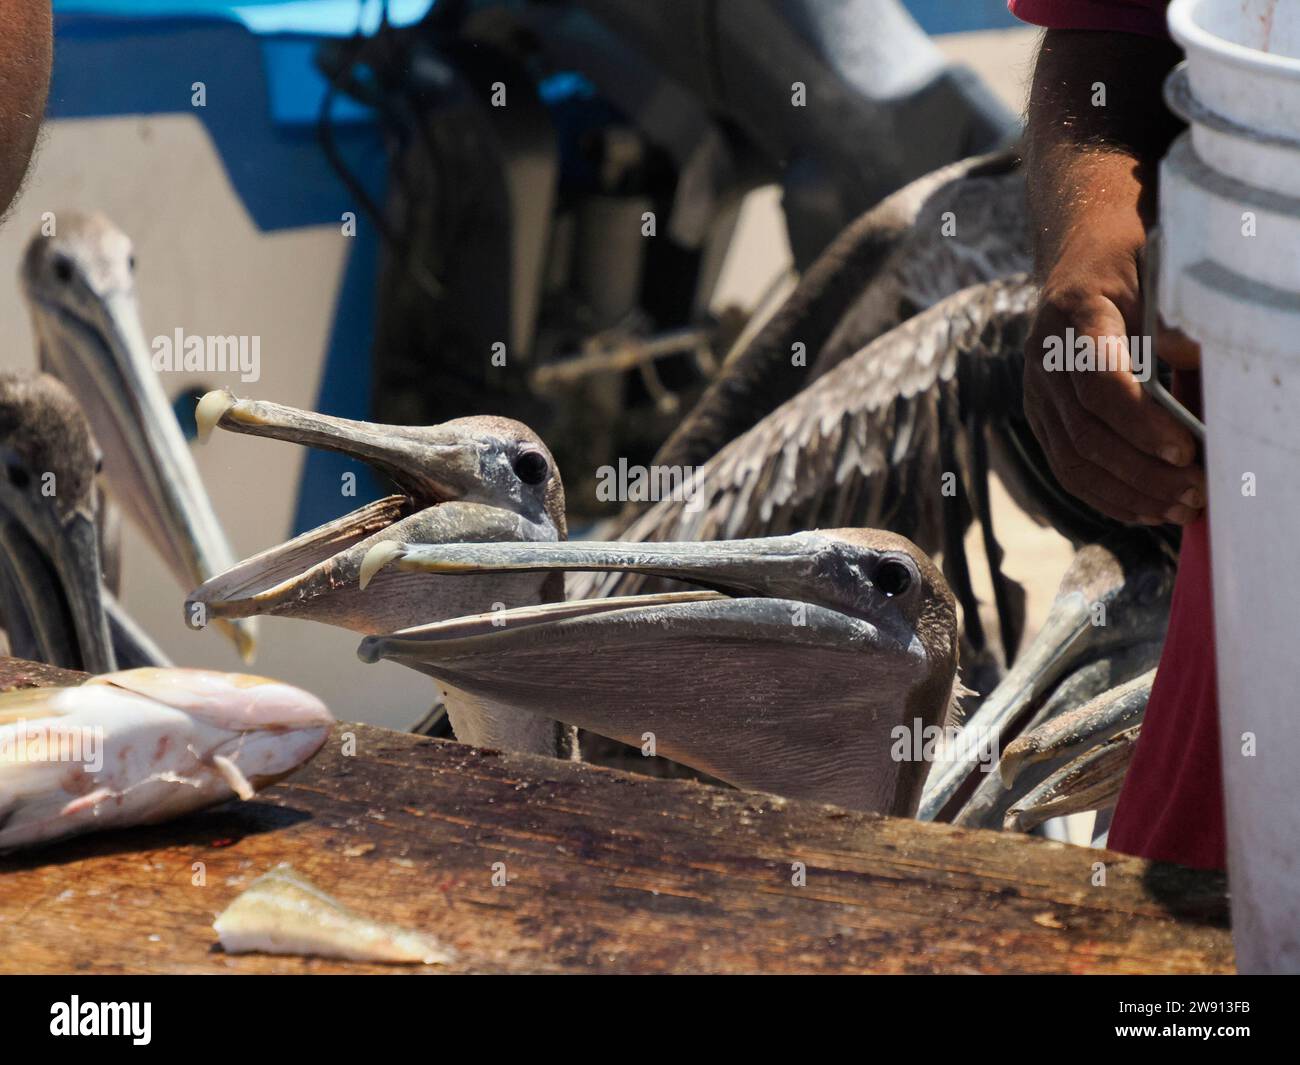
x: 18, y: 673
x: 607, y: 872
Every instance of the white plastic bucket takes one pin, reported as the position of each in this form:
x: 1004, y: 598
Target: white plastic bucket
x: 1244, y: 60
x: 1230, y: 220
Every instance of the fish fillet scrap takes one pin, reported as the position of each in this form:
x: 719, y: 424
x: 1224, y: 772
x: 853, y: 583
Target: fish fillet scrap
x: 282, y: 913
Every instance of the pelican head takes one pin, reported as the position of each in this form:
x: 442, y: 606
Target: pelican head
x: 80, y: 286
x: 471, y: 479
x: 791, y: 672
x: 50, y: 581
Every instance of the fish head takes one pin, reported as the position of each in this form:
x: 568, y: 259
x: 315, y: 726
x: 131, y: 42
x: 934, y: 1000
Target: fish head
x: 145, y: 745
x: 263, y: 729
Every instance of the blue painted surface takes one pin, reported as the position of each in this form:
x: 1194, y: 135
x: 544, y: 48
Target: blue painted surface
x: 278, y: 169
x: 335, y: 18
x: 345, y: 390
x: 296, y: 88
x: 960, y: 16
x: 271, y: 156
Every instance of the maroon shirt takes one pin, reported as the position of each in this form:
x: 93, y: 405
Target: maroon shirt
x: 1126, y: 16
x: 1171, y: 807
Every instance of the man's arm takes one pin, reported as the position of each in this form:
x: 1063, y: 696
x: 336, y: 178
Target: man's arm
x: 1092, y: 175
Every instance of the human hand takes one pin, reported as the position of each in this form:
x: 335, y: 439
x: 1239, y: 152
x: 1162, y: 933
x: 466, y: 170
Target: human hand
x: 1107, y: 441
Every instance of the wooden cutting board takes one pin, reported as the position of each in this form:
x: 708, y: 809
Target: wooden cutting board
x: 528, y: 864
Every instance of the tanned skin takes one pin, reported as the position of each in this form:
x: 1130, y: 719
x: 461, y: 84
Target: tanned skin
x: 1092, y: 178
x: 25, y: 51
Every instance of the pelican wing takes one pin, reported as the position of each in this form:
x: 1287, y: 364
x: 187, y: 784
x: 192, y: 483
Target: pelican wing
x: 861, y: 446
x: 973, y: 230
x: 960, y: 225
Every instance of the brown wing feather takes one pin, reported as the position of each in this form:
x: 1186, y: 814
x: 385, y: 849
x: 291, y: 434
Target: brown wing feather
x: 891, y: 261
x: 858, y: 447
x: 973, y: 230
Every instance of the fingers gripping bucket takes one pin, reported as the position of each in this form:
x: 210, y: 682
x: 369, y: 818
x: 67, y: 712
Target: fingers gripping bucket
x: 1230, y: 224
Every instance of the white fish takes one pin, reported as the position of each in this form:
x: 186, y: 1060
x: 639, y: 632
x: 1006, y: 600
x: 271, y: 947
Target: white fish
x: 281, y: 913
x: 145, y: 745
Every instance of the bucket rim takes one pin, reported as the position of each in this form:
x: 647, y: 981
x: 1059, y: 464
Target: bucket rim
x: 1180, y: 99
x: 1192, y: 36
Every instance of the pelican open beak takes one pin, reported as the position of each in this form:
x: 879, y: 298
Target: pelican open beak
x: 446, y: 474
x: 98, y: 349
x: 786, y: 675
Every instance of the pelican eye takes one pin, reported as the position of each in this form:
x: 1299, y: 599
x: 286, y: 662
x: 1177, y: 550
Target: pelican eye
x: 63, y: 268
x: 893, y: 577
x: 531, y: 467
x: 18, y: 477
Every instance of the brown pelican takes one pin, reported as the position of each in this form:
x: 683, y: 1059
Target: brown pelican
x: 50, y: 557
x: 958, y: 226
x: 811, y: 668
x: 872, y: 442
x: 52, y: 600
x: 961, y: 225
x: 470, y: 479
x: 80, y: 288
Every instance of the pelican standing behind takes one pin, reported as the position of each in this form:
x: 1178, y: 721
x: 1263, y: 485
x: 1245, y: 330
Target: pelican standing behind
x: 877, y: 442
x: 53, y: 604
x: 80, y: 288
x: 959, y: 226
